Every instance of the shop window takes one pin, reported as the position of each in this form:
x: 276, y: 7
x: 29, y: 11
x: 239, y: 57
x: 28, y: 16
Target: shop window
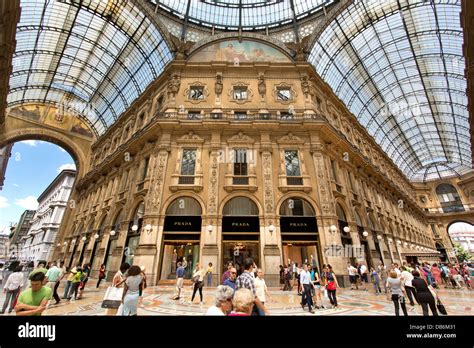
x: 449, y: 198
x: 240, y: 162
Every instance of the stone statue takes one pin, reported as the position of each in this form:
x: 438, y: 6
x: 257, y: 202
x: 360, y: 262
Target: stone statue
x: 262, y: 88
x: 174, y: 83
x: 219, y: 85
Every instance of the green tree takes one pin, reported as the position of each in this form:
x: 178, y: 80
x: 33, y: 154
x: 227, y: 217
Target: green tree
x: 461, y: 253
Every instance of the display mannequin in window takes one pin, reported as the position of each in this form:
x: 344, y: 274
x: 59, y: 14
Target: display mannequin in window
x: 313, y: 262
x: 184, y: 264
x: 174, y: 260
x: 190, y: 263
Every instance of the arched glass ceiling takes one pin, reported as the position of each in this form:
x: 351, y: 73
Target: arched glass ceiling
x: 399, y: 67
x: 245, y: 14
x: 94, y: 57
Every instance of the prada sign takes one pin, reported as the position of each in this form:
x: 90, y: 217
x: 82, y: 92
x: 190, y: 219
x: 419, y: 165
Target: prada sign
x: 295, y: 224
x: 240, y: 224
x: 182, y: 224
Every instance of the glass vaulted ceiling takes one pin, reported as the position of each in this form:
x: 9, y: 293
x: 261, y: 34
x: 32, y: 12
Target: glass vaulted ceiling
x: 93, y: 56
x: 399, y: 67
x: 245, y: 14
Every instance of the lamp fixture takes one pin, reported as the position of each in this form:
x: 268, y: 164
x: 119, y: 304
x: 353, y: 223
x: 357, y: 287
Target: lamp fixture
x: 365, y: 233
x: 84, y: 238
x: 148, y: 228
x: 333, y: 228
x: 346, y: 229
x: 112, y: 233
x: 379, y: 237
x: 96, y: 236
x: 271, y: 228
x: 210, y: 228
x: 134, y: 228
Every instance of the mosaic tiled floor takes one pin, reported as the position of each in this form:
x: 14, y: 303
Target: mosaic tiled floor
x: 157, y: 301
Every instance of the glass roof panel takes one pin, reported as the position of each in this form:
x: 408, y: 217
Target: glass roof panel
x: 95, y: 56
x: 245, y: 14
x: 399, y: 67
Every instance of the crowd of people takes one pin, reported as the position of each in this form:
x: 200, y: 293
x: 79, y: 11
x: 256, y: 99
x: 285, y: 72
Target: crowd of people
x: 243, y: 292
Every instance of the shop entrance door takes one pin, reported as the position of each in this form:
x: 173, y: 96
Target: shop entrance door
x: 300, y: 252
x: 236, y: 252
x: 182, y: 251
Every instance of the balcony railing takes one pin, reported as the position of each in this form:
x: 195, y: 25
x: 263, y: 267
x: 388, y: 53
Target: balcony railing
x: 294, y: 181
x: 240, y: 180
x: 186, y: 180
x: 240, y: 117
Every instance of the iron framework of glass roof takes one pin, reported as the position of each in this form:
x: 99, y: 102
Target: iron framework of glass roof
x: 94, y: 57
x: 242, y: 14
x: 399, y: 68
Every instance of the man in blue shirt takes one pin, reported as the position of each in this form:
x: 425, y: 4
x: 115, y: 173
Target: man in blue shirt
x: 230, y: 281
x: 305, y: 288
x: 179, y: 280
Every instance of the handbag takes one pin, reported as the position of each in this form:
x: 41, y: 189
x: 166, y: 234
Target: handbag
x: 112, y: 297
x: 196, y: 279
x: 441, y: 307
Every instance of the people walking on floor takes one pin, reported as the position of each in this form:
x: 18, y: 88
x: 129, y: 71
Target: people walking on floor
x: 53, y: 276
x: 117, y: 281
x: 198, y: 279
x: 331, y: 283
x: 226, y: 274
x: 210, y: 270
x: 243, y: 302
x: 364, y: 275
x: 397, y: 291
x: 262, y: 290
x: 70, y: 276
x: 383, y: 274
x: 282, y: 277
x: 179, y: 280
x: 298, y: 271
x: 101, y: 275
x: 317, y: 298
x: 12, y: 288
x: 374, y: 277
x: 423, y: 294
x: 247, y: 281
x: 352, y: 276
x: 288, y: 278
x: 230, y: 281
x: 407, y: 277
x: 436, y: 273
x: 142, y: 286
x: 131, y: 291
x: 34, y: 300
x: 445, y: 275
x: 75, y: 283
x: 86, y: 270
x: 305, y: 281
x: 223, y: 301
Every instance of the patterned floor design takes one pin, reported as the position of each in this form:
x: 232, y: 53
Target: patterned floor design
x: 157, y: 301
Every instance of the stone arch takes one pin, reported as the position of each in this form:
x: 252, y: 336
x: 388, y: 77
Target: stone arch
x: 13, y: 133
x: 345, y: 207
x: 241, y: 194
x: 307, y: 198
x: 136, y: 203
x: 177, y: 195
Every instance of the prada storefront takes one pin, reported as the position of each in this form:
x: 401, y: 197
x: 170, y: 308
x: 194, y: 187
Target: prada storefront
x: 240, y: 232
x: 181, y: 237
x: 299, y: 233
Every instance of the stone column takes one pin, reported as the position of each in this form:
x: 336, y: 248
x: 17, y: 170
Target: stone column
x: 269, y: 240
x: 209, y: 239
x: 148, y: 251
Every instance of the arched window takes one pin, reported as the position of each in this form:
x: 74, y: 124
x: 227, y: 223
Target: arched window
x: 139, y: 212
x: 296, y: 207
x: 240, y: 206
x: 357, y: 218
x: 449, y: 198
x: 184, y: 206
x: 341, y: 215
x: 117, y: 220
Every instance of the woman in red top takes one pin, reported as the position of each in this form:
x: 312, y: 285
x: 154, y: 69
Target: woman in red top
x: 243, y: 303
x: 436, y: 272
x: 101, y: 275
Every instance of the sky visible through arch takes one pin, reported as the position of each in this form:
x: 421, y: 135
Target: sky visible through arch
x: 33, y: 165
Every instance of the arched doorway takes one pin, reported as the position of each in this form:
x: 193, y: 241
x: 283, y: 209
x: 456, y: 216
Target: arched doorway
x: 240, y: 232
x: 299, y: 233
x: 133, y: 234
x: 181, y: 236
x: 346, y: 238
x: 449, y: 198
x: 462, y: 233
x: 112, y: 244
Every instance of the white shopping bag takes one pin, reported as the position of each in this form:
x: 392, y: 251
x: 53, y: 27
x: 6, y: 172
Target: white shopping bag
x: 113, y: 297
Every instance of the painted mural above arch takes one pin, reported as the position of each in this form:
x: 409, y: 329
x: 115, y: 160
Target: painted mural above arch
x: 234, y: 51
x: 52, y: 116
